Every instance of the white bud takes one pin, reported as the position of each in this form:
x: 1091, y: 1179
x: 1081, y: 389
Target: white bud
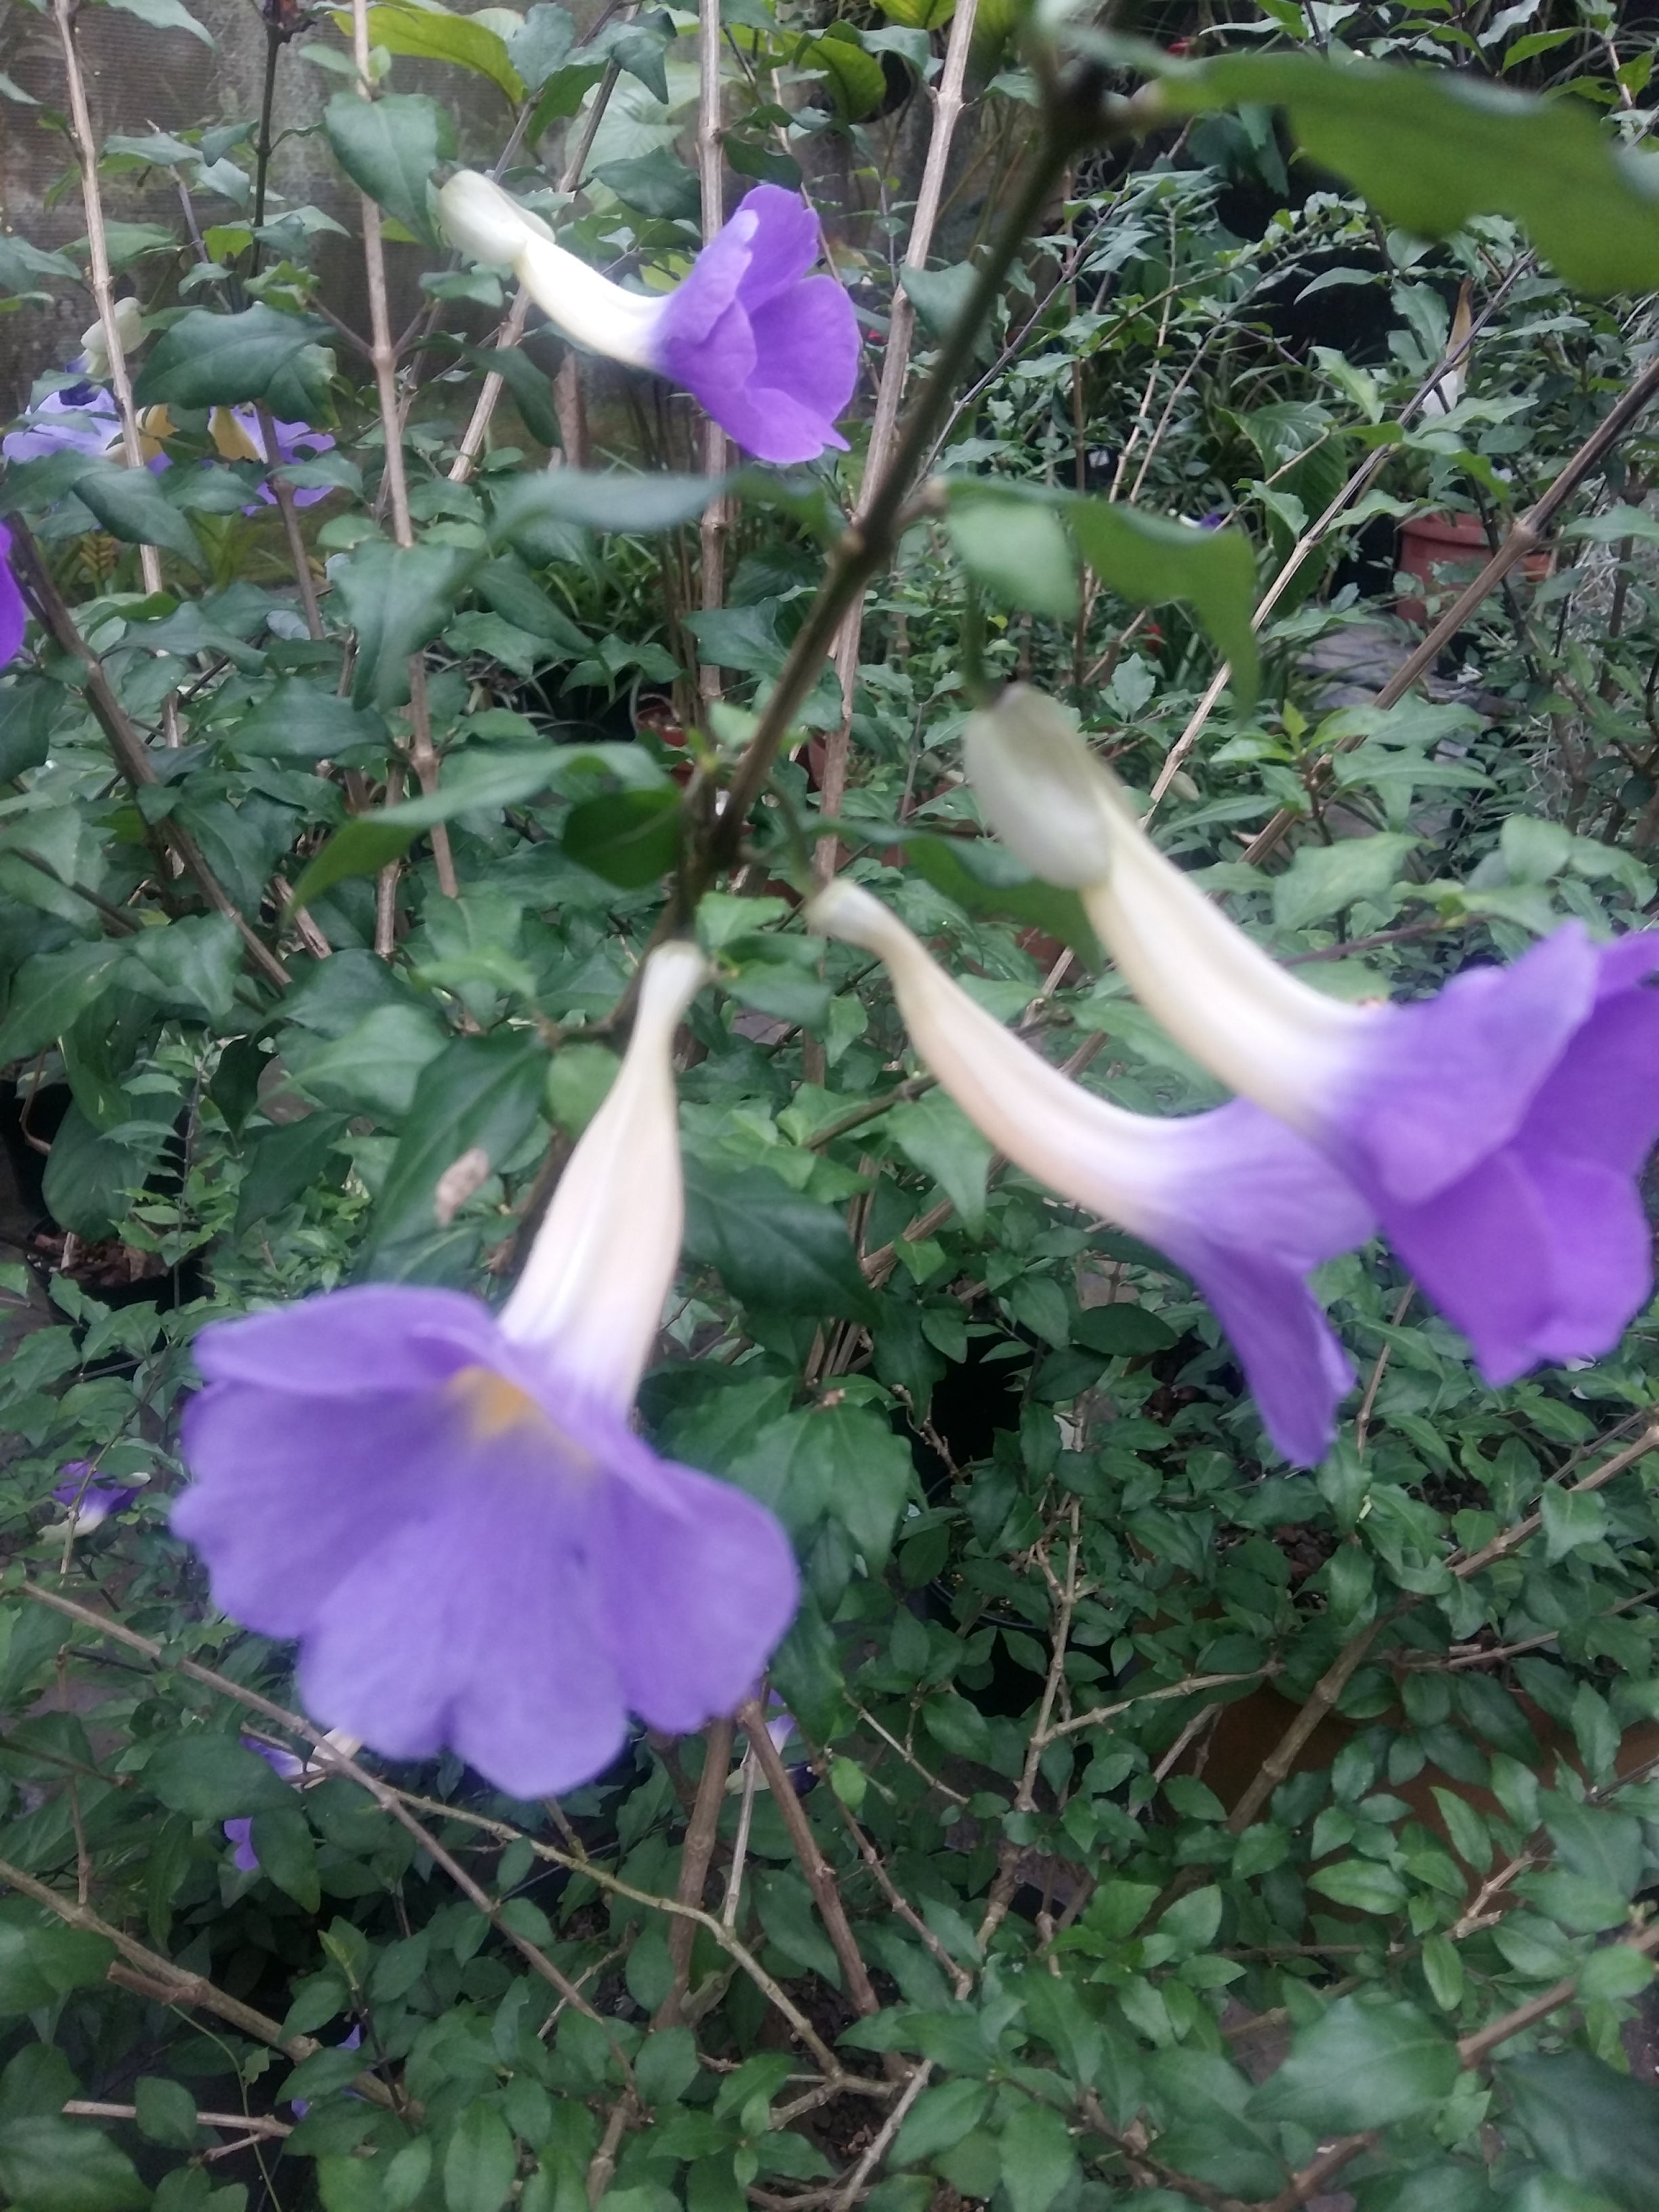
x: 1041, y: 790
x: 128, y: 330
x: 483, y: 222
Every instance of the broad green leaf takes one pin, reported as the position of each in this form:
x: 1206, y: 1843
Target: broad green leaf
x: 364, y: 846
x: 20, y: 263
x: 480, y: 2163
x: 1571, y: 1520
x: 1121, y: 1330
x: 282, y: 1163
x: 49, y: 990
x: 1594, y: 2126
x: 657, y: 183
x: 480, y: 1093
x: 65, y: 2165
x: 1430, y: 148
x: 287, y: 1852
x: 543, y: 44
x: 1037, y: 2156
x: 434, y: 34
x: 164, y: 16
x: 397, y: 597
x: 1017, y: 548
x: 190, y: 966
x: 301, y: 721
x: 389, y: 148
x: 1361, y: 2065
x: 206, y: 360
x: 857, y: 83
x: 1323, y: 879
x: 940, y: 2116
x: 1360, y: 1884
x: 132, y: 506
x: 918, y: 15
x: 212, y: 1776
x: 772, y: 1247
x: 167, y: 2111
x: 840, y: 1459
x: 1148, y: 560
x: 601, y: 499
x: 90, y: 1175
x: 631, y: 838
x: 373, y: 1068
x: 935, y: 1135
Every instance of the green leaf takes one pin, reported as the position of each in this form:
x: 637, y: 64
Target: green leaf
x: 434, y: 34
x: 212, y: 1777
x: 631, y: 838
x: 1596, y: 2127
x: 481, y: 2162
x: 601, y: 499
x: 935, y: 1135
x: 301, y: 721
x: 840, y: 1459
x: 1360, y: 1884
x: 1429, y: 149
x: 1121, y: 1330
x: 90, y: 1176
x: 364, y: 846
x: 533, y: 395
x: 1571, y: 1520
x: 986, y: 881
x: 1323, y: 879
x: 918, y: 15
x: 50, y: 990
x: 940, y: 2116
x: 1037, y: 2157
x: 389, y: 148
x: 286, y: 1853
x: 167, y: 2111
x: 1017, y: 548
x: 541, y: 45
x: 480, y: 1093
x: 132, y: 506
x: 397, y: 597
x: 667, y: 2065
x: 857, y: 83
x: 20, y: 263
x: 65, y: 2165
x: 206, y: 360
x: 190, y: 966
x: 774, y: 1249
x: 281, y: 1164
x: 1148, y: 559
x: 938, y: 295
x: 1360, y: 2065
x: 657, y: 183
x: 164, y: 16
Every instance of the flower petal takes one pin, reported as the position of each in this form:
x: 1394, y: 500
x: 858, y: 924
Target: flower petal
x: 376, y: 1336
x: 697, y: 1583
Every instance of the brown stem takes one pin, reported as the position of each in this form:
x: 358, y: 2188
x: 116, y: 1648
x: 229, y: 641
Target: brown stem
x: 696, y: 1854
x: 820, y: 1878
x: 1320, y: 1701
x: 182, y: 1988
x: 948, y: 105
x: 98, y: 268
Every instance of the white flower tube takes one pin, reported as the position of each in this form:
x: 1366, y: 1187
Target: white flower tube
x: 605, y: 1255
x: 1236, y: 1200
x: 1233, y: 1007
x: 128, y: 328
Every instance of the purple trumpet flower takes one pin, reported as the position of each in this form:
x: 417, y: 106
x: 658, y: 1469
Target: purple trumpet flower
x: 1497, y: 1128
x: 448, y: 1509
x: 769, y: 352
x: 13, y: 614
x: 1242, y: 1205
x: 90, y: 1504
x: 79, y: 418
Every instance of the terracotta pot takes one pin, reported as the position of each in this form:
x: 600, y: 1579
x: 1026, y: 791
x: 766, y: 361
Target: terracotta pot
x: 1444, y: 552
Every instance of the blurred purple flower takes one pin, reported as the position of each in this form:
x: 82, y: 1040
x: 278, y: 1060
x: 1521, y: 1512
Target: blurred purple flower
x: 90, y: 1504
x: 771, y: 352
x: 449, y: 1510
x: 79, y: 418
x: 13, y: 614
x: 237, y: 434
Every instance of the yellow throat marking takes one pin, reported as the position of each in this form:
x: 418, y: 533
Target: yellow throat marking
x: 492, y: 1405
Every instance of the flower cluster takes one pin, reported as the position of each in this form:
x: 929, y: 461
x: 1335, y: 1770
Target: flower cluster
x: 1495, y: 1130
